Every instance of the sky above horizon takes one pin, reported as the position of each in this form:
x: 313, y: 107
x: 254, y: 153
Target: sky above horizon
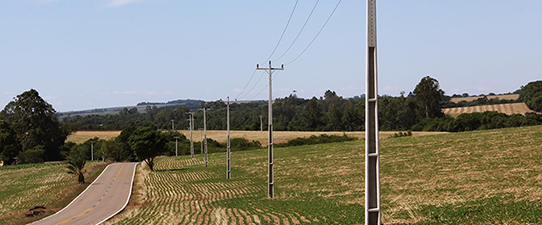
x: 94, y: 54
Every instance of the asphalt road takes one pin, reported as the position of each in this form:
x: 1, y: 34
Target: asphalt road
x: 104, y: 198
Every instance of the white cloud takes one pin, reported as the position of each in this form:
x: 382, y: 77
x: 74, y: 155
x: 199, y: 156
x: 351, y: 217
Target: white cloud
x: 118, y: 3
x: 237, y: 90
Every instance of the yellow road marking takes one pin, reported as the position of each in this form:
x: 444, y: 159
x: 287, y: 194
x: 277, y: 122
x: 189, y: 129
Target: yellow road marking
x: 90, y: 209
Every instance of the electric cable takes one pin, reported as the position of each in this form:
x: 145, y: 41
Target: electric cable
x: 317, y: 34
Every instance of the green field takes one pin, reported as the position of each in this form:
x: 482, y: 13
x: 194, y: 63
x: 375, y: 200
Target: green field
x: 26, y: 186
x: 483, y: 177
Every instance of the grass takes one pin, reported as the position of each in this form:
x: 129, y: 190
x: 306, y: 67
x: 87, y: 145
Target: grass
x: 502, y: 97
x: 26, y: 186
x: 512, y: 108
x: 482, y: 177
x: 220, y: 135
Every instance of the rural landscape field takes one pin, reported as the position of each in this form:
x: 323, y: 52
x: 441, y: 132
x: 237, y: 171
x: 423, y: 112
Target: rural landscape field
x: 158, y: 112
x: 509, y: 109
x: 221, y: 135
x: 482, y: 177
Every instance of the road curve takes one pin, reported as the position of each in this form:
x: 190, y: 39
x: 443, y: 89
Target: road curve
x: 104, y: 198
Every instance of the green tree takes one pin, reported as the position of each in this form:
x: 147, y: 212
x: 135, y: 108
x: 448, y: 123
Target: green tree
x: 76, y: 162
x: 428, y: 96
x: 147, y: 143
x: 531, y: 94
x: 35, y: 123
x: 9, y: 146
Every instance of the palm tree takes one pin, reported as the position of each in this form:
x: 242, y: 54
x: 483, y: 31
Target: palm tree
x: 76, y: 164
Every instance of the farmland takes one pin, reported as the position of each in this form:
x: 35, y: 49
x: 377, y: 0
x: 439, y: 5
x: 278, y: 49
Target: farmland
x: 482, y: 177
x: 26, y: 186
x: 501, y: 97
x: 221, y: 135
x: 512, y: 108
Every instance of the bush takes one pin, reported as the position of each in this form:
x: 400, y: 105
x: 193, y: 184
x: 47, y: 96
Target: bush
x: 32, y: 156
x: 402, y: 134
x: 313, y: 140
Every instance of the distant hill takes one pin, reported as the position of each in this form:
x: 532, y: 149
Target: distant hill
x: 192, y: 104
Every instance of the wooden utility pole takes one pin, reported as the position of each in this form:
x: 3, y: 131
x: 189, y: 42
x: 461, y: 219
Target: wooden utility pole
x: 271, y: 187
x: 228, y: 173
x: 372, y: 153
x: 191, y: 121
x: 176, y: 140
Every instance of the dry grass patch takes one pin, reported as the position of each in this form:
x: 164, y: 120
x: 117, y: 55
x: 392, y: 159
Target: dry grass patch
x: 510, y: 109
x: 501, y: 97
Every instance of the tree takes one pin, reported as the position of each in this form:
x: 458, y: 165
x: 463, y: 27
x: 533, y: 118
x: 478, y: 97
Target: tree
x: 35, y: 123
x: 9, y: 145
x: 77, y: 161
x: 428, y: 97
x: 531, y: 94
x: 112, y: 149
x: 147, y: 143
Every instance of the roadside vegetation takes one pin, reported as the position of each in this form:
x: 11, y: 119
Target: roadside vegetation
x: 481, y: 177
x: 24, y: 187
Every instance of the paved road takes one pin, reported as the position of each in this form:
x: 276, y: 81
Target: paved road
x: 105, y: 197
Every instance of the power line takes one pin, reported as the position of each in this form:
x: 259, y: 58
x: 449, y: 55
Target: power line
x: 283, y: 32
x: 338, y: 3
x: 276, y: 46
x: 251, y: 76
x: 257, y: 82
x: 301, y: 31
x: 267, y: 85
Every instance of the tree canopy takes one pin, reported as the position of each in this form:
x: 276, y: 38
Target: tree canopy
x: 35, y: 123
x: 428, y: 96
x: 147, y: 144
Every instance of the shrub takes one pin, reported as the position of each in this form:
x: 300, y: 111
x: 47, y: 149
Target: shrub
x: 32, y: 155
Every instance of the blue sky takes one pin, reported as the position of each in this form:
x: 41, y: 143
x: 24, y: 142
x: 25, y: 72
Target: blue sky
x: 82, y: 54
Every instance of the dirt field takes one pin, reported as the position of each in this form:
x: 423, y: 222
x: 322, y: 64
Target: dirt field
x: 220, y: 135
x: 481, y: 177
x: 513, y: 108
x: 468, y: 99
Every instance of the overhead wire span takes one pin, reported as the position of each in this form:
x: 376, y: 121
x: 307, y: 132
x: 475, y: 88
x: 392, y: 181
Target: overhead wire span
x: 283, y: 32
x: 246, y: 85
x: 267, y: 85
x: 246, y: 93
x: 276, y: 46
x: 317, y: 34
x: 300, y: 31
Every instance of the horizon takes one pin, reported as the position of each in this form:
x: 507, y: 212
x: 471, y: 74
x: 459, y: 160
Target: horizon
x: 95, y: 54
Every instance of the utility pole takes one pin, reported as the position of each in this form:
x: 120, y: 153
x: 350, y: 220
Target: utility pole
x: 201, y: 142
x: 191, y: 120
x: 91, y: 150
x: 271, y: 187
x: 176, y: 139
x: 228, y: 175
x: 372, y: 152
x: 205, y: 134
x: 172, y: 125
x: 261, y: 123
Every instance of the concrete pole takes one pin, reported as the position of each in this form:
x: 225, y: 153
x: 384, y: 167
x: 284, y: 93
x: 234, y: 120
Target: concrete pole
x: 372, y: 152
x: 91, y: 150
x: 261, y: 123
x: 176, y: 146
x: 271, y: 183
x: 201, y: 142
x: 172, y: 125
x: 228, y: 175
x: 205, y: 135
